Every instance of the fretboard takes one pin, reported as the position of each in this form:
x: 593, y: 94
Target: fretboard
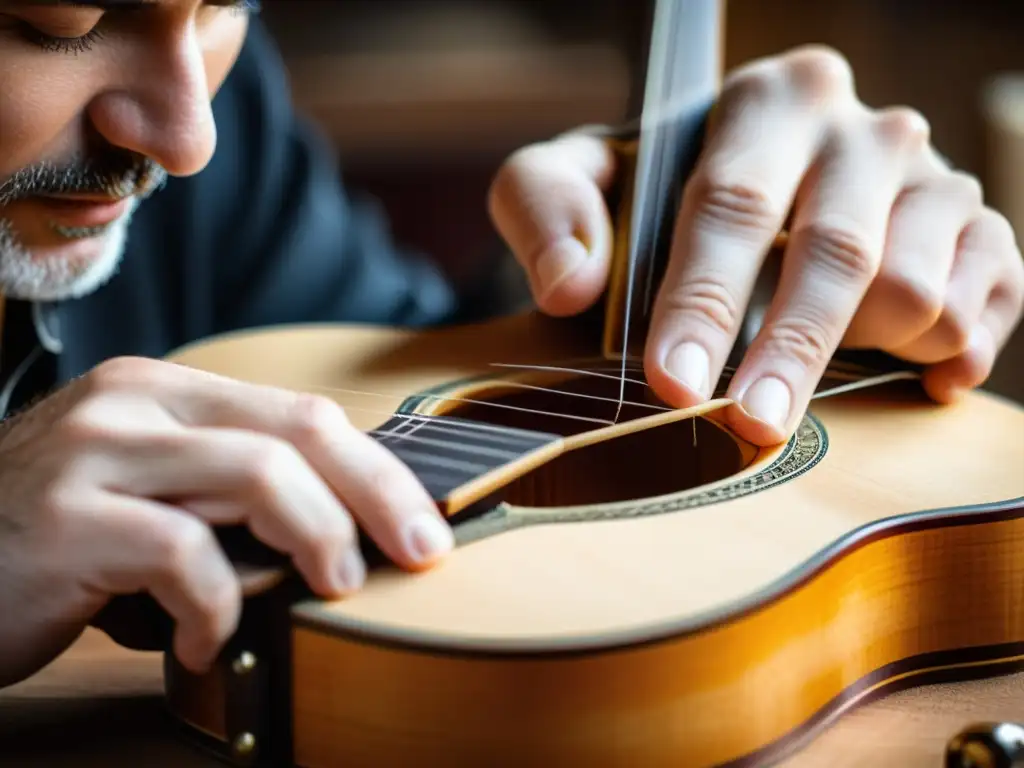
x: 446, y: 453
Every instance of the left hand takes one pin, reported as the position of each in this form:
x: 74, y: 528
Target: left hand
x: 889, y: 248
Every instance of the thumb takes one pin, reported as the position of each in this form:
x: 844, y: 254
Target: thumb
x: 547, y: 203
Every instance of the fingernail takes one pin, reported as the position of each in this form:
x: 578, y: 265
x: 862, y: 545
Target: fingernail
x: 689, y: 363
x: 559, y: 262
x: 351, y: 570
x: 768, y: 400
x: 428, y: 538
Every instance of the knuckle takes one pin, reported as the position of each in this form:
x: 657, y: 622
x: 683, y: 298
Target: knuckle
x: 1010, y: 288
x: 967, y: 187
x: 706, y: 301
x: 502, y: 187
x: 953, y: 330
x: 336, y: 529
x: 524, y: 188
x: 314, y: 418
x: 380, y: 486
x: 843, y: 250
x: 1015, y: 280
x: 756, y: 82
x: 178, y: 546
x: 85, y: 424
x: 385, y: 488
x: 819, y: 72
x: 921, y: 303
x: 801, y: 339
x: 220, y: 603
x: 56, y: 503
x: 902, y: 127
x: 211, y: 611
x: 271, y: 460
x: 513, y: 174
x: 1002, y: 233
x: 121, y: 372
x: 722, y: 201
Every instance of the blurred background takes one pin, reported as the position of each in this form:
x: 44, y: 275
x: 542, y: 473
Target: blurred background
x: 424, y: 98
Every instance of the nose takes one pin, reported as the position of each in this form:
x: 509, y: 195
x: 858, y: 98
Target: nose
x: 161, y: 108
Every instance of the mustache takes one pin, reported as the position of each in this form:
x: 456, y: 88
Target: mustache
x: 114, y: 173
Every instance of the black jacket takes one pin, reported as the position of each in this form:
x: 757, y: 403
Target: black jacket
x: 265, y: 234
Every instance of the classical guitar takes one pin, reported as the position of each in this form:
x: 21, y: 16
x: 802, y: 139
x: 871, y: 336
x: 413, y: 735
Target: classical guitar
x: 633, y: 584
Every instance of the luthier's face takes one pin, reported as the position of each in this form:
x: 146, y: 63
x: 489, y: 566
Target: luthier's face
x: 101, y: 100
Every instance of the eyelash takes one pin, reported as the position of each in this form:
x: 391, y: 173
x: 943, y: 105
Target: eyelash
x: 85, y: 42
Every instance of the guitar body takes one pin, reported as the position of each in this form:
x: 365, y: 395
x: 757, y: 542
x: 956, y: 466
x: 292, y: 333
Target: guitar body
x: 665, y: 596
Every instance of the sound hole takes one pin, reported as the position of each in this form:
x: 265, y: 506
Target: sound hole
x: 661, y: 460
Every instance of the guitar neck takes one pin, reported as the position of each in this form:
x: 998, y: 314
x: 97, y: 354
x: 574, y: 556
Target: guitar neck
x: 449, y: 455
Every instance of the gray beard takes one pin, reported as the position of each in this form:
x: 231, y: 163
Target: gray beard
x: 29, y: 279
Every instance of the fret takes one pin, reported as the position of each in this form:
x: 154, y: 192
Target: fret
x: 446, y: 452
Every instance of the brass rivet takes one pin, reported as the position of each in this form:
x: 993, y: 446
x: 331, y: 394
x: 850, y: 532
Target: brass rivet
x: 244, y: 663
x: 245, y: 743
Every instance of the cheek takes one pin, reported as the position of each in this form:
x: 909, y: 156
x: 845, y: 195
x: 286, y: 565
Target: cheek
x: 41, y: 101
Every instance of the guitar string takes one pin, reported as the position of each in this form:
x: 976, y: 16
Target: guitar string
x: 441, y: 423
x: 561, y: 369
x: 469, y: 425
x: 444, y: 424
x: 436, y: 423
x: 447, y: 398
x: 660, y: 118
x: 402, y: 435
x: 378, y: 432
x: 593, y: 372
x: 533, y: 411
x: 475, y: 425
x: 495, y: 427
x: 653, y: 97
x: 425, y: 419
x: 633, y: 403
x: 477, y: 450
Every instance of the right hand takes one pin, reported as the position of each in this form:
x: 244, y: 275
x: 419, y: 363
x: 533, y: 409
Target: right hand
x: 112, y: 485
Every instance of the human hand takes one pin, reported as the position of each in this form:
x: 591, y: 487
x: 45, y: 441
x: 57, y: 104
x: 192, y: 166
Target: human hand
x: 889, y: 248
x: 113, y: 484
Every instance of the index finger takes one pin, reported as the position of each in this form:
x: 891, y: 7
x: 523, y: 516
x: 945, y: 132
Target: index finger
x: 733, y: 207
x: 377, y: 488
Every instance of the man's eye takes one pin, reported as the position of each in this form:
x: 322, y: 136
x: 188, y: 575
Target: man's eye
x: 69, y: 43
x: 60, y: 44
